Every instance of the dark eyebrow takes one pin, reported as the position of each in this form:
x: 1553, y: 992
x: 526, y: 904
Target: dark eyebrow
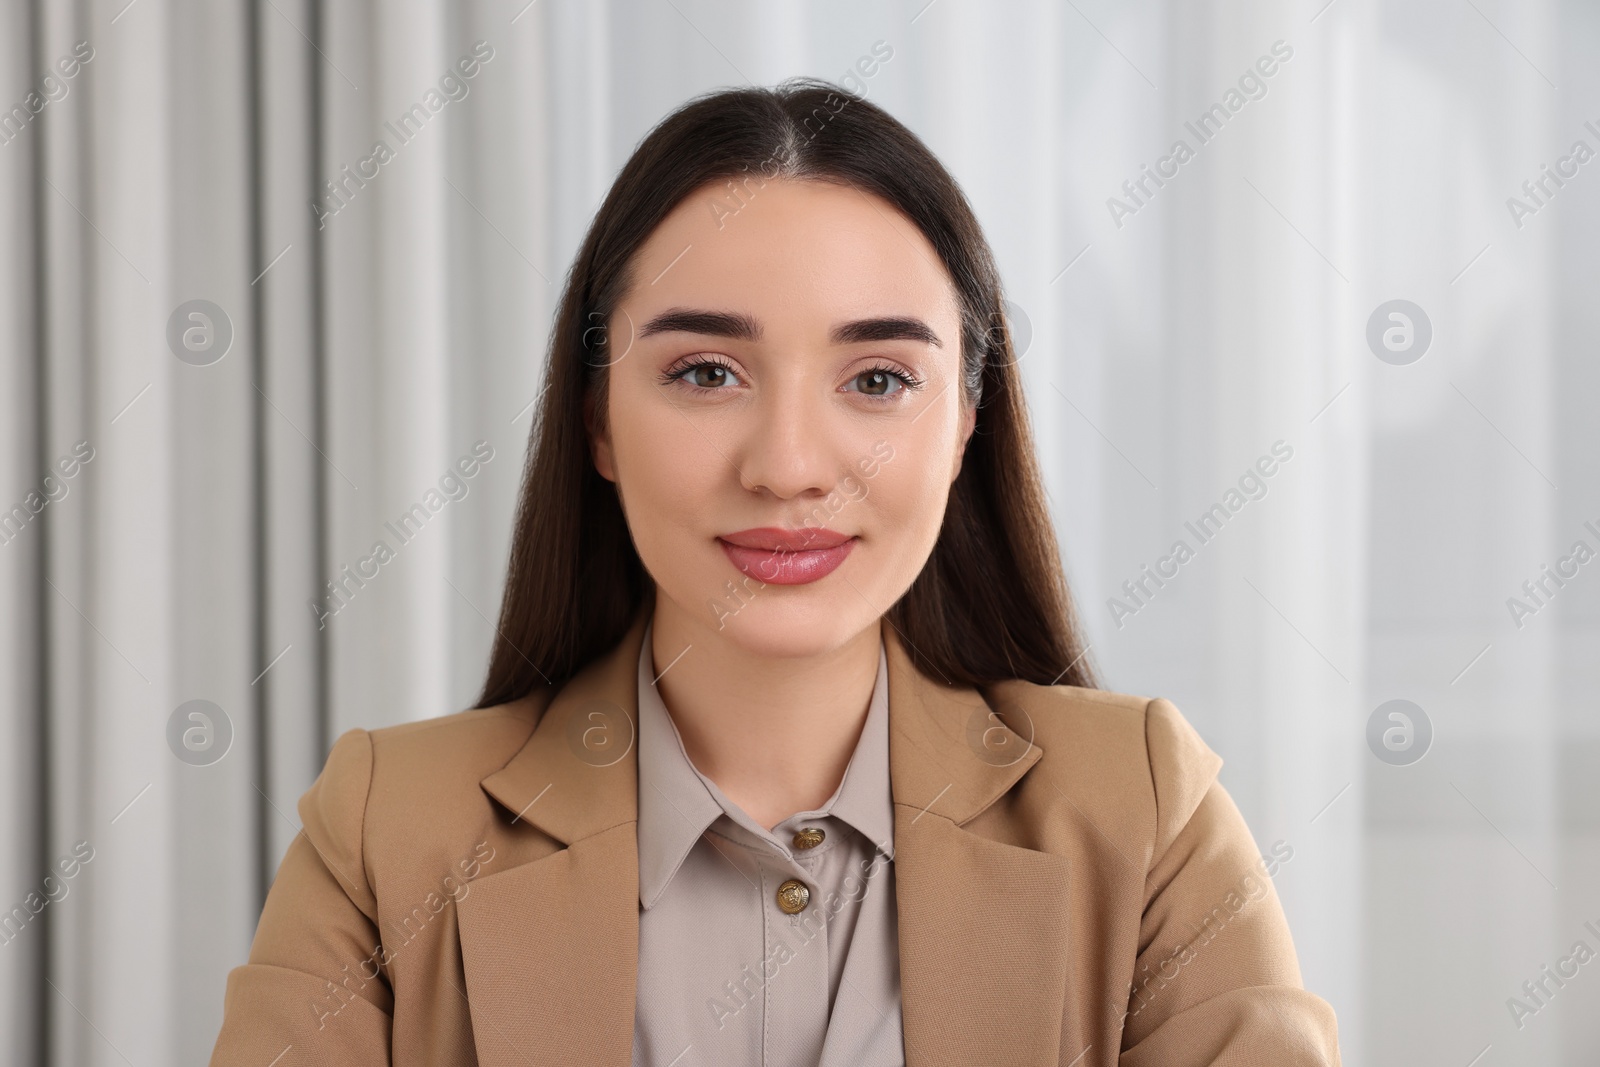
x: 893, y: 328
x: 714, y: 323
x: 743, y: 327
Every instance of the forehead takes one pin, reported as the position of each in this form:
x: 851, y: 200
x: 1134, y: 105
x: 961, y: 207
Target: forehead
x: 795, y: 254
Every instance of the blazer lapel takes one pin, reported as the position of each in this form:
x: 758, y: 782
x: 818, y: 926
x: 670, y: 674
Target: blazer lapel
x: 550, y: 945
x: 550, y: 942
x: 982, y: 923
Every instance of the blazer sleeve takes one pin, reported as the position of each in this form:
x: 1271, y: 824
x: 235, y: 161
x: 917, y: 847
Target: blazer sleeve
x: 1216, y: 980
x: 313, y: 990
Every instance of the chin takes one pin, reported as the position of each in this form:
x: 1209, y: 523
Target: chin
x: 795, y: 626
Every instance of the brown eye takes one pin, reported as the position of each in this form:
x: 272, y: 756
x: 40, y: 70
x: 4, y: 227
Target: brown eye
x: 708, y: 375
x: 881, y: 383
x: 701, y: 376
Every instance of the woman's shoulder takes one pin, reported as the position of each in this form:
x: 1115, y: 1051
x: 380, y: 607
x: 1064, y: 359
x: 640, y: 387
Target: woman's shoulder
x: 412, y: 788
x: 463, y: 744
x: 1113, y: 753
x: 1092, y: 725
x: 430, y: 760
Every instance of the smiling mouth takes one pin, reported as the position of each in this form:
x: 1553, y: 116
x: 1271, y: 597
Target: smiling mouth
x: 787, y: 557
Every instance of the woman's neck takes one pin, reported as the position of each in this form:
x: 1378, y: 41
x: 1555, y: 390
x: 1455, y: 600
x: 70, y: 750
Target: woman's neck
x: 774, y: 732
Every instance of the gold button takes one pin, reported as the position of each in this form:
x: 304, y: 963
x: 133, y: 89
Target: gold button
x: 810, y: 837
x: 793, y: 896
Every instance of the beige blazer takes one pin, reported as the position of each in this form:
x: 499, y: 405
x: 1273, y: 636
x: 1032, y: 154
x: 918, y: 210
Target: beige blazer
x: 1074, y: 887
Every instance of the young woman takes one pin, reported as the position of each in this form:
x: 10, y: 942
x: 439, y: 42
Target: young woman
x: 789, y: 753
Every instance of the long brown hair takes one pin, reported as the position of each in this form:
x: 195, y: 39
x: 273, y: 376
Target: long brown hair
x: 992, y: 602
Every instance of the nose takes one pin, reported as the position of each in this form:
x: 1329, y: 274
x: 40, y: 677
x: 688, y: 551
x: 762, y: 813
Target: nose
x: 789, y: 446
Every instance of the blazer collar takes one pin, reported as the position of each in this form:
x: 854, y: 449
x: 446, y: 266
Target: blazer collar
x: 577, y: 774
x: 550, y: 946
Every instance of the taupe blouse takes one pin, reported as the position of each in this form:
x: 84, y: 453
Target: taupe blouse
x: 765, y: 948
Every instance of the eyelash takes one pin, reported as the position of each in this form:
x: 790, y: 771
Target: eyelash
x: 677, y: 372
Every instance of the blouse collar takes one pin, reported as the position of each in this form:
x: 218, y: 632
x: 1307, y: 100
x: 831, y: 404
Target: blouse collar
x: 677, y: 802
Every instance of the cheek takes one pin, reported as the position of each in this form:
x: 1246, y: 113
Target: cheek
x: 908, y: 496
x: 668, y: 473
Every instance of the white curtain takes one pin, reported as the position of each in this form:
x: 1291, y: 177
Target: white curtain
x: 389, y: 310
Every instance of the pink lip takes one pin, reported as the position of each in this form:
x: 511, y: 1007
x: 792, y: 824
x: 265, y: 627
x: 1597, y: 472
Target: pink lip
x: 787, y: 557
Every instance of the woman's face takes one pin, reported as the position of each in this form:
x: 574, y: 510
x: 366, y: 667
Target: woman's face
x: 785, y: 414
